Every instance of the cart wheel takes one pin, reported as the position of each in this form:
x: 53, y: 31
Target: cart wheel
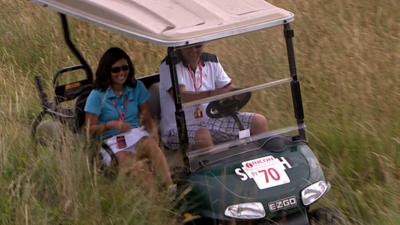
x: 110, y: 171
x: 327, y: 216
x: 46, y: 129
x: 36, y: 123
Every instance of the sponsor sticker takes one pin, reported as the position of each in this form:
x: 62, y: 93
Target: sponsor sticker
x: 280, y: 204
x: 267, y: 171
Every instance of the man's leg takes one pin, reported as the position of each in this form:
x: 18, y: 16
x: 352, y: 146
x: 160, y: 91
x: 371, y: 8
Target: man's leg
x: 226, y: 129
x: 202, y: 138
x: 259, y: 124
x: 198, y: 135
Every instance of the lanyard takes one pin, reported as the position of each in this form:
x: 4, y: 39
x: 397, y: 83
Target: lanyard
x: 193, y: 77
x: 121, y: 115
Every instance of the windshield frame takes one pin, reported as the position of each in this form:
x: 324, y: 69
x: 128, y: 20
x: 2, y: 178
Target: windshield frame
x: 172, y: 56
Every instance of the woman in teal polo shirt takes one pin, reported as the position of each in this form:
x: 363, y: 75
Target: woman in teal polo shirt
x: 116, y: 110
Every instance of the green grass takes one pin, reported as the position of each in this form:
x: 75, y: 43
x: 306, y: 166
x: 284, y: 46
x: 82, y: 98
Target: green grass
x: 348, y: 55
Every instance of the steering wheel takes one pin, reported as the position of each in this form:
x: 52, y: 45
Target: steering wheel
x: 227, y: 106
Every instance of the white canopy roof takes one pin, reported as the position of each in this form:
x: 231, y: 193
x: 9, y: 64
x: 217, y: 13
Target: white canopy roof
x: 175, y: 22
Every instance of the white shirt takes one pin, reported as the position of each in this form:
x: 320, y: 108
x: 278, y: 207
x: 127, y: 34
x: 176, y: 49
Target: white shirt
x: 211, y: 75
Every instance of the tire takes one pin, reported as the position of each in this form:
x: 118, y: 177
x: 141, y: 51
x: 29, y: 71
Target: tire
x: 36, y: 123
x: 327, y: 216
x: 46, y: 130
x: 111, y: 171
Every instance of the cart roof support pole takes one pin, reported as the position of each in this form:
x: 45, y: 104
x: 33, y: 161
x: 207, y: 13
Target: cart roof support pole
x: 72, y: 47
x: 172, y: 59
x: 295, y: 83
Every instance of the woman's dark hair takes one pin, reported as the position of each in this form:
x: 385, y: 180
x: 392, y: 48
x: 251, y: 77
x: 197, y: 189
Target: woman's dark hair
x: 103, y: 72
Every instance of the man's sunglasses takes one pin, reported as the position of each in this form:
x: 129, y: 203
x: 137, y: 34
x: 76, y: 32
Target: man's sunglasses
x: 117, y: 69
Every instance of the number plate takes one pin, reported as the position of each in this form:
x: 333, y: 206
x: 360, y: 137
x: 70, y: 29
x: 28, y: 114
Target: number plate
x: 267, y: 171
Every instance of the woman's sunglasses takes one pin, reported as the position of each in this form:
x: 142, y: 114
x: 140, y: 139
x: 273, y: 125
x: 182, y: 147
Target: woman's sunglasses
x: 117, y: 69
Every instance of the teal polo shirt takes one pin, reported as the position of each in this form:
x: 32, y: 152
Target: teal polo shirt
x: 101, y: 104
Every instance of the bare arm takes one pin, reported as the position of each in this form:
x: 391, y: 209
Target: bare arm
x: 188, y: 96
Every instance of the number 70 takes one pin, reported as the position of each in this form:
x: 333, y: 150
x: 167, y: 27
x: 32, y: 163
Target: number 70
x: 270, y: 172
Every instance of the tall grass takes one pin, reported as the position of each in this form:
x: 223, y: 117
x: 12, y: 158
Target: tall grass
x: 348, y: 55
x: 57, y: 185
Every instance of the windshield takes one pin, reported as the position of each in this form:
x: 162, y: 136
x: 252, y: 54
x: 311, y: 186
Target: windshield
x: 239, y: 93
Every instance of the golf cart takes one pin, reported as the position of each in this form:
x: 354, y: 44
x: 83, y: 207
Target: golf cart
x: 266, y: 178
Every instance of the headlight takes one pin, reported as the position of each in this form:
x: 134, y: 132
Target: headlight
x: 313, y: 192
x: 250, y: 210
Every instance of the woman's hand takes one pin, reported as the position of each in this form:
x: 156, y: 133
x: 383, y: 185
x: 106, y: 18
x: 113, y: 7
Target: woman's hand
x: 119, y: 125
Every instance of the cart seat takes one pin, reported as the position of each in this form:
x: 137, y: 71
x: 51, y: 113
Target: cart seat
x: 174, y: 158
x: 154, y: 101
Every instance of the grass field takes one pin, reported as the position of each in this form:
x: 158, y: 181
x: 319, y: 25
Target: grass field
x: 348, y: 55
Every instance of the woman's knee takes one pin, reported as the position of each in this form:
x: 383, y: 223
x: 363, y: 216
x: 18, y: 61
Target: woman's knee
x: 125, y: 159
x: 148, y: 141
x: 149, y: 147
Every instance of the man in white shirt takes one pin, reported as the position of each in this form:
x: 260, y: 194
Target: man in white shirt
x: 200, y: 75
